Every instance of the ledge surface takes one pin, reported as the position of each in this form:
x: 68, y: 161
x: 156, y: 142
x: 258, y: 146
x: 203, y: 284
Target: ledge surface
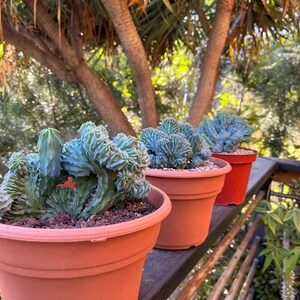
x: 164, y: 270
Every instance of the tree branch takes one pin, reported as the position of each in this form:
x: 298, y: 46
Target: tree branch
x: 211, y: 62
x: 50, y: 28
x: 75, y: 32
x: 135, y: 52
x: 36, y: 39
x: 29, y: 47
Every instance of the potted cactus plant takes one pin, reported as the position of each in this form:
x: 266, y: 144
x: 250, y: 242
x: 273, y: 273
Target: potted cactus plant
x: 180, y: 164
x: 224, y: 136
x: 61, y: 257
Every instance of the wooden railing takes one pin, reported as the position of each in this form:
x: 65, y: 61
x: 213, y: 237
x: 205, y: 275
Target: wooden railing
x: 164, y: 270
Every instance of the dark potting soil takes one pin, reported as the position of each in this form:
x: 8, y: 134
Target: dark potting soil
x: 132, y: 210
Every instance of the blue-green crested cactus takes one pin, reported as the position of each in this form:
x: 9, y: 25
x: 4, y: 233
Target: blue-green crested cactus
x: 31, y: 178
x: 225, y: 133
x: 106, y: 173
x: 49, y: 146
x: 117, y: 164
x: 174, y: 145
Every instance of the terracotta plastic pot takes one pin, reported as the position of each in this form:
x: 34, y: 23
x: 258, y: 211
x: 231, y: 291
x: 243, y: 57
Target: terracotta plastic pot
x: 192, y: 194
x: 88, y: 263
x: 235, y: 186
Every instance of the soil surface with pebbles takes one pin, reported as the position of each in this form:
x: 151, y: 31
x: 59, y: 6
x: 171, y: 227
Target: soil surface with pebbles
x: 132, y: 210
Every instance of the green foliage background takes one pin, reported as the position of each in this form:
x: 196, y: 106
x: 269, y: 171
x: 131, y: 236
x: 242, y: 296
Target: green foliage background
x: 267, y: 94
x: 37, y: 99
x: 264, y: 90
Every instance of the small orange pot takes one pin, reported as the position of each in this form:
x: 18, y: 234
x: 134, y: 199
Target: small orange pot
x: 192, y: 194
x: 87, y: 263
x: 235, y: 186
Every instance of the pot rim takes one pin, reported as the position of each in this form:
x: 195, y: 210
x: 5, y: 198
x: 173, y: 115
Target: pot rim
x: 224, y: 168
x: 254, y: 152
x: 92, y: 234
x: 243, y: 158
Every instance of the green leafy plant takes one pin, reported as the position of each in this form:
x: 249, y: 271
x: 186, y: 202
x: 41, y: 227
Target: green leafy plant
x: 282, y: 241
x: 267, y: 284
x: 225, y: 133
x: 106, y: 173
x: 175, y: 145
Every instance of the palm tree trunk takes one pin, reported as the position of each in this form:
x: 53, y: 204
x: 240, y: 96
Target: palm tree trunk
x: 135, y: 53
x: 211, y: 63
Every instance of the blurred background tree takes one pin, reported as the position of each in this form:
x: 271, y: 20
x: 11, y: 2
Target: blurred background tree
x: 258, y: 64
x: 268, y: 95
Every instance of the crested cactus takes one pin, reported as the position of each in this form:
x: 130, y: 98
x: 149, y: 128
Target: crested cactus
x: 49, y: 146
x: 116, y: 163
x: 225, y: 133
x: 31, y: 177
x: 174, y: 145
x: 106, y: 173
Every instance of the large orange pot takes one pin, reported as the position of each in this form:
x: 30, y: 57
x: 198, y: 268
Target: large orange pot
x: 235, y: 186
x: 192, y: 194
x: 87, y: 263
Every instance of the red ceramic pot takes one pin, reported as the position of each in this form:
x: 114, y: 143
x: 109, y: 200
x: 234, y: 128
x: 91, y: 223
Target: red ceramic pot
x: 235, y: 186
x: 87, y: 263
x: 192, y: 194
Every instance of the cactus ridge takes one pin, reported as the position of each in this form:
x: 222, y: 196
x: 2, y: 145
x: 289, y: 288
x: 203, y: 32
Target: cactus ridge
x: 75, y: 160
x: 58, y: 202
x: 150, y: 138
x: 169, y: 126
x: 225, y: 133
x: 174, y: 145
x: 19, y: 194
x: 102, y: 200
x: 9, y: 192
x: 100, y: 149
x: 119, y: 161
x: 85, y: 187
x: 49, y: 150
x: 130, y: 185
x: 18, y: 163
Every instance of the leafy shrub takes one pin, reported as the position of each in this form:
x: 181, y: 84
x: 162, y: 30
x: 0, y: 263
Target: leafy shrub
x: 282, y: 242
